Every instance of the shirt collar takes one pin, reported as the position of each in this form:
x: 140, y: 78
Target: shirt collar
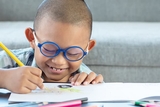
x: 34, y: 63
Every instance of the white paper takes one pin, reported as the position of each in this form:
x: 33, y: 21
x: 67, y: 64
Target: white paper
x: 98, y: 92
x: 4, y: 91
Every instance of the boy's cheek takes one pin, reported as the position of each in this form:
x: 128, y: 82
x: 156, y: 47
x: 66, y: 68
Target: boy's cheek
x: 40, y: 60
x: 74, y: 66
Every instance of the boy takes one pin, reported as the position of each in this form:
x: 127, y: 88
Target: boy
x: 60, y: 40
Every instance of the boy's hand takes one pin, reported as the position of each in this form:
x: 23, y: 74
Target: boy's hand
x: 23, y: 79
x: 85, y: 79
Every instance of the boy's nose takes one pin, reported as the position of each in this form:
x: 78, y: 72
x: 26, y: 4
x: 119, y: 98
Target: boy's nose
x: 59, y: 59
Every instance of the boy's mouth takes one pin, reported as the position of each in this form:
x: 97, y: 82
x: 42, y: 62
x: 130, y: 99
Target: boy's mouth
x: 57, y: 70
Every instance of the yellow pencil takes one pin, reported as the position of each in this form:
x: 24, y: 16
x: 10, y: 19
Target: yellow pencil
x: 11, y: 54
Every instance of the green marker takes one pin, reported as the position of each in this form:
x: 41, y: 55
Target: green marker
x: 138, y: 103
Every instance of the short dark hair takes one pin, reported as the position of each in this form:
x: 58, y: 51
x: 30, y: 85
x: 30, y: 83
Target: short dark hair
x: 68, y: 11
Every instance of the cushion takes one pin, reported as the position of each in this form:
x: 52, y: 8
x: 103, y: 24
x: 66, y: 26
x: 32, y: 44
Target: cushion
x: 125, y: 44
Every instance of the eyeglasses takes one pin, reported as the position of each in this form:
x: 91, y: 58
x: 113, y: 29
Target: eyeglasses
x: 51, y: 49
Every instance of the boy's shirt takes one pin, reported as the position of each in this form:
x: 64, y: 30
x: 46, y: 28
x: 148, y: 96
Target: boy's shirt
x: 26, y: 56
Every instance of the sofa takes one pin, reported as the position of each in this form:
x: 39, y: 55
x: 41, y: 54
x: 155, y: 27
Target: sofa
x: 127, y: 34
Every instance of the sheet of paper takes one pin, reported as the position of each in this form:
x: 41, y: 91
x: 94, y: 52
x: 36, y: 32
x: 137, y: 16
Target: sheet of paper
x: 5, y: 91
x: 98, y: 92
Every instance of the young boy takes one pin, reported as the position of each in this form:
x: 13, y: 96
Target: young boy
x: 60, y: 39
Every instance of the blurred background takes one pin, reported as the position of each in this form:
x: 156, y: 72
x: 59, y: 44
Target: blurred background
x: 102, y: 10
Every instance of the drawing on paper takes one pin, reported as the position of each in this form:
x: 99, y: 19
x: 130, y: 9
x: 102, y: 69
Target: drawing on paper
x: 57, y: 90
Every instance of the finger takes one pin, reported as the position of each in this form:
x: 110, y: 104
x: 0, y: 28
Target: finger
x: 30, y: 85
x: 38, y: 81
x: 90, y: 78
x: 98, y: 79
x: 24, y: 90
x: 70, y: 78
x: 82, y: 76
x: 24, y: 87
x: 36, y: 71
x: 73, y: 80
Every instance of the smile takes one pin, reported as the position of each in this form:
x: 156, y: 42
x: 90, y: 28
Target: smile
x: 57, y: 70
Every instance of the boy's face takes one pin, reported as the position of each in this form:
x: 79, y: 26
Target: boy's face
x: 65, y: 35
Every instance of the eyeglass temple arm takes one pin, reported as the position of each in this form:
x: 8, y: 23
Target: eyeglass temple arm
x: 34, y: 34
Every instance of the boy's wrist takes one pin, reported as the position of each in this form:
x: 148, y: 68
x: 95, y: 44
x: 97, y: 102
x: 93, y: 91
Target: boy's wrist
x: 3, y: 78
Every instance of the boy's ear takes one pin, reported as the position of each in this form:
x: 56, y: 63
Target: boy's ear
x: 29, y: 36
x: 91, y: 44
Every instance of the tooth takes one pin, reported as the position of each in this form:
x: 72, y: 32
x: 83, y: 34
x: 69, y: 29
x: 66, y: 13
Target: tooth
x: 54, y: 68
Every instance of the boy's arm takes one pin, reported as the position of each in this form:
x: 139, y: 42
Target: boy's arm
x: 2, y: 78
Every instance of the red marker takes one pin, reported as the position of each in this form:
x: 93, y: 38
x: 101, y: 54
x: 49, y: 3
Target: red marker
x: 150, y: 105
x: 72, y: 103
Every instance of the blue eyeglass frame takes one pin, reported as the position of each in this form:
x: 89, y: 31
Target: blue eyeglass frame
x: 59, y: 50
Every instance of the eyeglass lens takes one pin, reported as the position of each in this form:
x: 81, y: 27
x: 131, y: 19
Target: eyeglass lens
x: 71, y: 53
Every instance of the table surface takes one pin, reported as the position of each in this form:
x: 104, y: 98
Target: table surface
x: 4, y: 102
